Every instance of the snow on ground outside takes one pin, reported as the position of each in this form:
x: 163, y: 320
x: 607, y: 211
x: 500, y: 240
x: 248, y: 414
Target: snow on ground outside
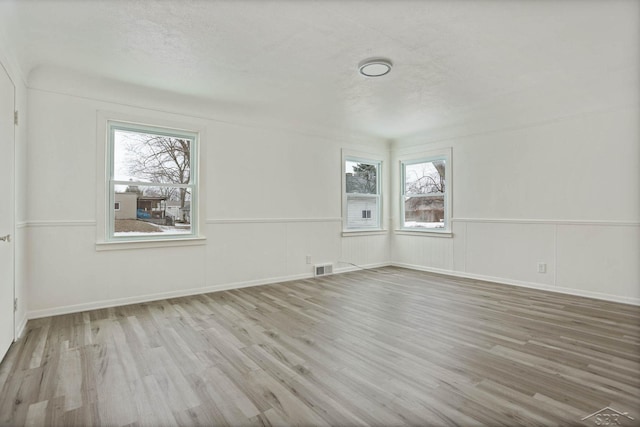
x: 417, y: 224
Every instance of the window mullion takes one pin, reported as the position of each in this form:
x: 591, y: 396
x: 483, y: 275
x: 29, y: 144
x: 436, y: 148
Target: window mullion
x: 152, y: 184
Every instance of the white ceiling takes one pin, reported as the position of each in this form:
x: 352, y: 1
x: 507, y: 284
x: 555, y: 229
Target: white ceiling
x: 298, y: 59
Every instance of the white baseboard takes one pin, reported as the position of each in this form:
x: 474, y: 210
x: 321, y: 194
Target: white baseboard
x: 35, y: 314
x: 359, y: 267
x: 501, y: 280
x: 55, y: 311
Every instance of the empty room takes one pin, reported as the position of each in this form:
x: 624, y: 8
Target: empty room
x: 319, y: 213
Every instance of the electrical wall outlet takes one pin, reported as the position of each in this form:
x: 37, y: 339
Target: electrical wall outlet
x: 308, y: 259
x: 542, y: 267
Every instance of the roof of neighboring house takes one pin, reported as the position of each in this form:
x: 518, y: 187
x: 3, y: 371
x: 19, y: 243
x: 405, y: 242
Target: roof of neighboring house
x: 151, y: 198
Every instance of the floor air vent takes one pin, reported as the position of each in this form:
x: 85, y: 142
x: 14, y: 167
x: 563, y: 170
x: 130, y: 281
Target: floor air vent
x: 322, y: 269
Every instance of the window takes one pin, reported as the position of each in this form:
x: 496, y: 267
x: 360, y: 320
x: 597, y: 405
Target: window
x: 425, y: 194
x: 152, y: 182
x: 361, y: 201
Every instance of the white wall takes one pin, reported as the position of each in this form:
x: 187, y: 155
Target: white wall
x: 271, y: 197
x: 564, y: 191
x: 522, y: 194
x: 555, y: 181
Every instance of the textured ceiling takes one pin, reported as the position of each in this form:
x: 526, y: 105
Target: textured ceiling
x: 298, y: 59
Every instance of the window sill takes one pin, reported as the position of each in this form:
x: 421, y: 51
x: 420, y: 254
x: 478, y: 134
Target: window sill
x: 147, y: 244
x: 355, y: 233
x: 429, y: 233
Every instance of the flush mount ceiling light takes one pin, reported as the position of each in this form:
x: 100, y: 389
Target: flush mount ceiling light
x: 375, y: 67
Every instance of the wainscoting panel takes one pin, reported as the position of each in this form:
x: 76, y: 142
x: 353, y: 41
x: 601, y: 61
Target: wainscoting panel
x: 364, y: 251
x: 73, y: 276
x: 243, y: 252
x: 424, y: 250
x: 320, y: 240
x: 511, y: 251
x: 600, y: 258
x: 590, y: 258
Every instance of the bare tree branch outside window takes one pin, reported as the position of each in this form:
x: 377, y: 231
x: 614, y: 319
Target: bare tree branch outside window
x: 424, y: 204
x: 160, y: 159
x: 425, y: 178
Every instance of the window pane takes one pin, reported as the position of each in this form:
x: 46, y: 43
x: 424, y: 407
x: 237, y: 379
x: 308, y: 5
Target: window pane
x: 361, y: 178
x: 362, y: 211
x: 145, y: 157
x: 147, y: 210
x: 424, y: 212
x: 424, y: 178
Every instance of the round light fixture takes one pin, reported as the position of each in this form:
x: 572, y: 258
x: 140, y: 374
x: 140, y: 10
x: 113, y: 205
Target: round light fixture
x: 375, y: 67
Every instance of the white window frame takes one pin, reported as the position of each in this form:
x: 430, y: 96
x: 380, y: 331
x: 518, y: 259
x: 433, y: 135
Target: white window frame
x: 112, y: 127
x: 376, y: 226
x: 426, y: 157
x: 157, y: 123
x: 116, y: 206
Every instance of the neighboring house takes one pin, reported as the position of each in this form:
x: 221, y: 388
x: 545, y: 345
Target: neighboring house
x: 153, y: 205
x: 362, y: 212
x: 424, y: 209
x: 131, y: 204
x: 125, y: 205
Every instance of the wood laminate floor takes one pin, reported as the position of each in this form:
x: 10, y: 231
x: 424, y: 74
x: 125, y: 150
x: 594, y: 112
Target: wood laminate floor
x: 381, y: 347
